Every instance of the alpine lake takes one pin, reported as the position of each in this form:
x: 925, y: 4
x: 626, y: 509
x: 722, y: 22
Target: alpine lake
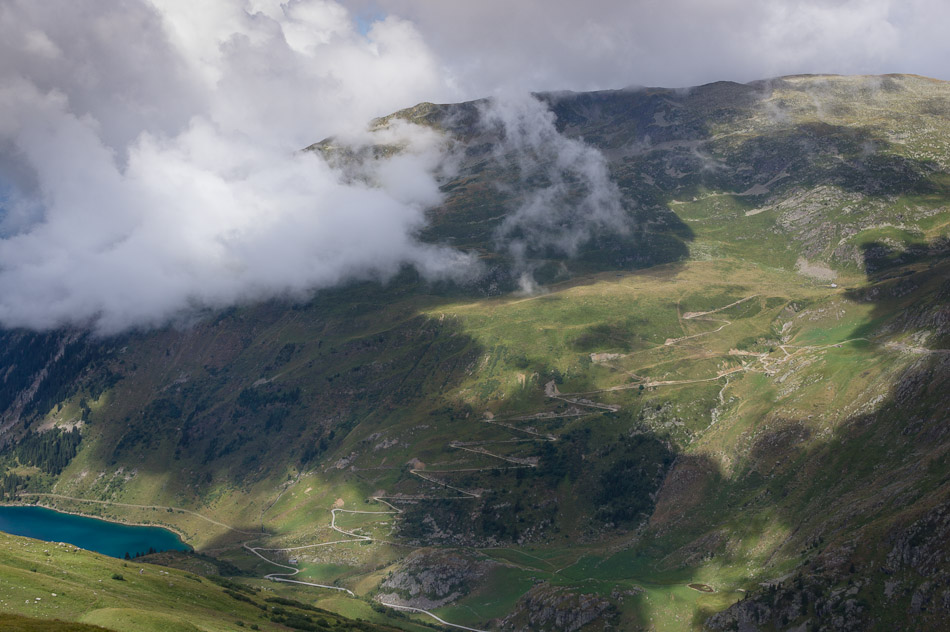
x: 109, y: 538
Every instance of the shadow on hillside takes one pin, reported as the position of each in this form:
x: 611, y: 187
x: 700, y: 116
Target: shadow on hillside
x: 280, y: 383
x: 857, y: 159
x: 845, y: 498
x: 844, y: 501
x: 242, y: 402
x: 883, y: 260
x: 247, y: 399
x: 908, y: 288
x: 801, y: 503
x: 472, y: 216
x: 818, y: 488
x: 681, y: 124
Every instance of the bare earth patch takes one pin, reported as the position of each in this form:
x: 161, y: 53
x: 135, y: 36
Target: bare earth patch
x: 815, y: 270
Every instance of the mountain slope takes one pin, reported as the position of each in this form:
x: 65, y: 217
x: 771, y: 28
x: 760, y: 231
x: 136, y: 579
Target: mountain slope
x: 744, y: 392
x: 44, y: 581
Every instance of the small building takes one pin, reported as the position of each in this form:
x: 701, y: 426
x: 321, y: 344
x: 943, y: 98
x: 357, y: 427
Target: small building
x: 293, y: 560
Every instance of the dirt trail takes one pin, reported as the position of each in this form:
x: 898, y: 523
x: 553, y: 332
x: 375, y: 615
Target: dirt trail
x: 769, y: 364
x: 282, y: 577
x: 546, y: 437
x: 354, y: 537
x: 474, y: 447
x: 154, y: 507
x: 692, y: 315
x: 550, y: 389
x: 420, y: 610
x: 672, y: 341
x: 762, y: 363
x: 699, y: 316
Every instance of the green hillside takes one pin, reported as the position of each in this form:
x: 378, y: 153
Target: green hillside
x: 733, y: 415
x: 43, y: 582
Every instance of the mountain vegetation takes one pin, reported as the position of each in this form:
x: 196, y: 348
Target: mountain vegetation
x: 732, y: 414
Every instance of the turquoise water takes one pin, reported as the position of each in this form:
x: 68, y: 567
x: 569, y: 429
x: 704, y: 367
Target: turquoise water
x: 108, y: 538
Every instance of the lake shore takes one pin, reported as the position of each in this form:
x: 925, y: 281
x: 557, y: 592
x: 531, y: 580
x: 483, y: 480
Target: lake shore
x: 160, y: 538
x: 181, y: 534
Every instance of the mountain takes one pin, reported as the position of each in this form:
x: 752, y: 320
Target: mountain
x: 701, y: 380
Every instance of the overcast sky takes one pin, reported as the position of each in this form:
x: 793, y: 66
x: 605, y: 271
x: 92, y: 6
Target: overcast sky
x: 565, y: 44
x: 148, y: 148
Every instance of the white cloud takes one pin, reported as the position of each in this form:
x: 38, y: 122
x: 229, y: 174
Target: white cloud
x: 564, y: 186
x: 131, y: 220
x: 563, y: 44
x: 149, y: 158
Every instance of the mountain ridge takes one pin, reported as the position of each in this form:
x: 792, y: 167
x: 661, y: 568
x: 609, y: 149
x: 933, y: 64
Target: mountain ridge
x: 745, y: 391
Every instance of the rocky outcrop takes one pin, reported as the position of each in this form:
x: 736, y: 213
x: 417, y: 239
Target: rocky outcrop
x: 797, y: 606
x: 552, y: 608
x: 918, y: 566
x: 432, y: 578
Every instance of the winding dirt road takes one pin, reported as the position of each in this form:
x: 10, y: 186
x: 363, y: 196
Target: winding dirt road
x: 354, y: 537
x: 551, y: 391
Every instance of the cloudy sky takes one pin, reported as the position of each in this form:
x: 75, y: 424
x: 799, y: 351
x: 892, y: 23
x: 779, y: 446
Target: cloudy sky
x: 148, y: 148
x: 560, y: 44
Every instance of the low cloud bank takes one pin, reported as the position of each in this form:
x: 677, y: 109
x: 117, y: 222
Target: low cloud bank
x: 564, y: 190
x: 150, y: 162
x: 149, y: 149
